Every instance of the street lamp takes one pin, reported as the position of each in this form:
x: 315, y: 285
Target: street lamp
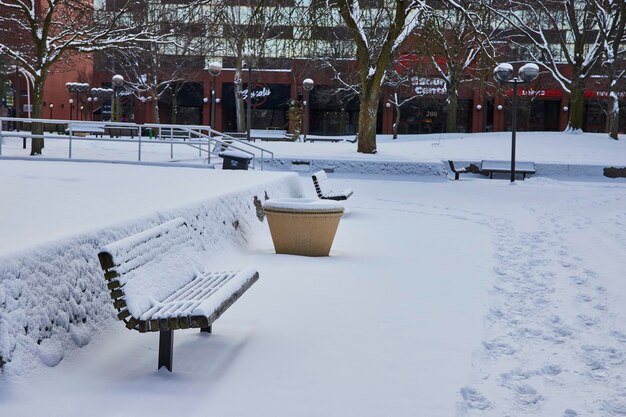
x: 101, y: 93
x: 215, y: 68
x: 76, y: 88
x: 71, y: 105
x: 117, y: 81
x: 249, y: 60
x: 51, y: 107
x: 90, y: 101
x: 308, y: 85
x: 503, y: 73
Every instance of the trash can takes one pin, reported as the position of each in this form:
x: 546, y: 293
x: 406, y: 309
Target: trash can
x: 235, y: 160
x: 302, y: 226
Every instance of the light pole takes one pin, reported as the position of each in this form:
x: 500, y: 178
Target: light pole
x: 117, y: 81
x: 215, y: 68
x: 101, y: 93
x: 90, y: 101
x: 503, y: 73
x: 76, y: 88
x: 308, y: 85
x: 249, y: 60
x: 51, y: 107
x: 71, y: 105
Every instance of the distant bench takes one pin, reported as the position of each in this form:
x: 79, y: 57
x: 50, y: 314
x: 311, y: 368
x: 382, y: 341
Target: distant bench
x: 504, y: 167
x: 118, y: 131
x: 158, y: 286
x: 321, y: 138
x: 324, y: 191
x: 263, y: 134
x: 82, y: 128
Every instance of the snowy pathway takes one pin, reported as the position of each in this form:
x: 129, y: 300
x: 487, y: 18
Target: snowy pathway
x: 554, y: 346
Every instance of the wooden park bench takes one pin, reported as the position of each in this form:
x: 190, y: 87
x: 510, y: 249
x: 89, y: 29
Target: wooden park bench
x: 83, y: 129
x: 270, y: 135
x: 457, y: 171
x: 322, y: 138
x: 119, y: 131
x: 158, y: 283
x: 504, y: 167
x: 324, y: 191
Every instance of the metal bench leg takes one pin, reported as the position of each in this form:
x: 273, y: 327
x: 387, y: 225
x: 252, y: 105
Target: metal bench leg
x: 166, y: 348
x: 456, y: 176
x: 206, y: 329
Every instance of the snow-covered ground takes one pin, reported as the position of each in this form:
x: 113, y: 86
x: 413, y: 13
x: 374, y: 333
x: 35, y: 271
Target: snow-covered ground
x: 471, y: 298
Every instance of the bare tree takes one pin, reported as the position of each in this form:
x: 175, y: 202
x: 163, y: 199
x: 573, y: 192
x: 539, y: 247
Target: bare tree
x: 158, y: 68
x: 554, y: 33
x: 377, y: 33
x: 457, y: 38
x: 53, y: 30
x: 611, y: 20
x: 254, y: 29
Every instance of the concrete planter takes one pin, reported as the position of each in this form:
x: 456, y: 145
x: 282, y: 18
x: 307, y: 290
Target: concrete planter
x: 302, y: 226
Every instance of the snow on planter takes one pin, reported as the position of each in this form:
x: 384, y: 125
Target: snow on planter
x: 302, y: 226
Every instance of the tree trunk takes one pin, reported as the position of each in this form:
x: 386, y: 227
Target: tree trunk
x: 394, y: 128
x: 370, y: 96
x: 240, y: 109
x: 577, y: 106
x: 155, y: 108
x: 613, y: 115
x: 453, y: 103
x: 36, y: 147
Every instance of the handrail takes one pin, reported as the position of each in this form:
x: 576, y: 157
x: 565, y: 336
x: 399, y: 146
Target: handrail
x: 211, y: 137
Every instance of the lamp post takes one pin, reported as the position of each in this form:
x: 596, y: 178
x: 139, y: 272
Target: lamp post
x: 215, y: 68
x: 51, y: 107
x: 308, y: 85
x: 90, y: 101
x: 249, y: 60
x: 101, y: 93
x: 503, y: 73
x: 117, y: 81
x: 71, y: 105
x: 76, y: 88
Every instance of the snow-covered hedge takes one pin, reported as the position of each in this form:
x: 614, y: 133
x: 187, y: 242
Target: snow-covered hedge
x: 365, y: 166
x: 54, y: 298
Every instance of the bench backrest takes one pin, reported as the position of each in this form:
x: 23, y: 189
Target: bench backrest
x: 147, y: 267
x: 320, y: 181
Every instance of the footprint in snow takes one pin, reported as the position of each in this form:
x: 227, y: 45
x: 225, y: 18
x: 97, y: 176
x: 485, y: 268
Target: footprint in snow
x: 619, y: 336
x: 614, y: 407
x: 496, y: 349
x: 551, y: 370
x: 472, y: 399
x: 588, y: 320
x: 527, y: 397
x: 570, y: 413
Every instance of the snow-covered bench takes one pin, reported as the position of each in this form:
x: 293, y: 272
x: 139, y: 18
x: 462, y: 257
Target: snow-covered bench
x: 158, y: 283
x: 457, y: 171
x: 119, y: 131
x: 324, y: 191
x: 504, y: 167
x: 82, y: 128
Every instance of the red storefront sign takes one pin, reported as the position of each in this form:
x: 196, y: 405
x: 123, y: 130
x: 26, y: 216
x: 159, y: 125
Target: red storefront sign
x: 529, y: 92
x: 602, y: 94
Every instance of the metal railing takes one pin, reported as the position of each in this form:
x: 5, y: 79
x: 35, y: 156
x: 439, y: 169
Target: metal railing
x: 202, y: 138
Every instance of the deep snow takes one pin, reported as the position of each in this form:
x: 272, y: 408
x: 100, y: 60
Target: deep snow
x: 473, y: 298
